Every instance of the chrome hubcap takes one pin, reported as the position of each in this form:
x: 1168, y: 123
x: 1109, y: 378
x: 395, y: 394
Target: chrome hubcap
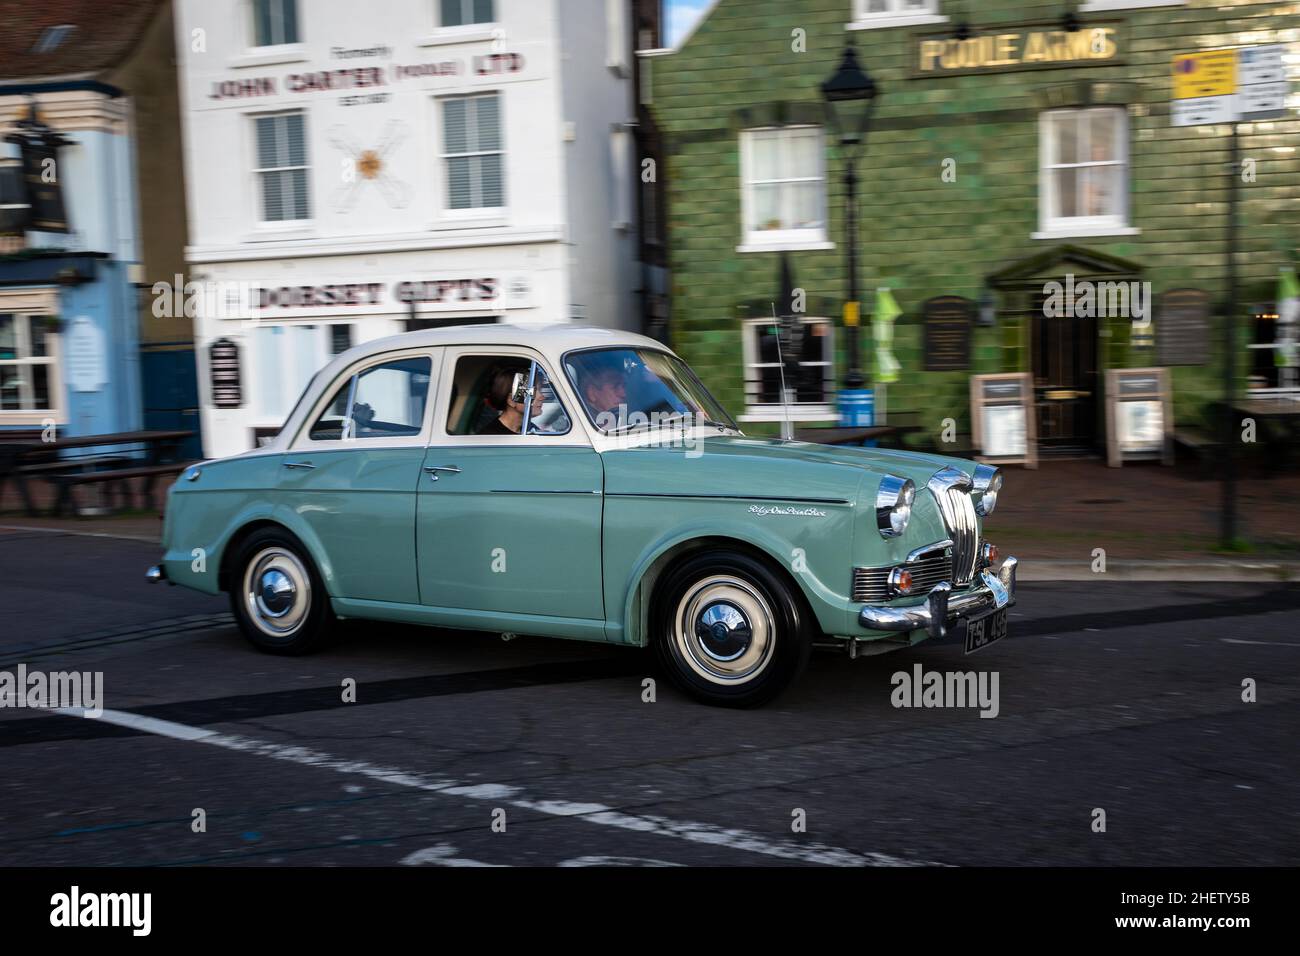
x: 277, y: 591
x: 724, y: 630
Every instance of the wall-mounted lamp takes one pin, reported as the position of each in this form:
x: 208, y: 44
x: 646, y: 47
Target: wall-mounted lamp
x: 988, y: 310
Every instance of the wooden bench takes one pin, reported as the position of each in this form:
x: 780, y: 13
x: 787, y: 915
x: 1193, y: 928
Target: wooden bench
x: 114, y: 477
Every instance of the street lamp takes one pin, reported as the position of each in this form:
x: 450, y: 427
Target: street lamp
x: 850, y: 95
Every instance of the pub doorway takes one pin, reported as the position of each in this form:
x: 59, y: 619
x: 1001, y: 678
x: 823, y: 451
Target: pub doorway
x: 1064, y: 352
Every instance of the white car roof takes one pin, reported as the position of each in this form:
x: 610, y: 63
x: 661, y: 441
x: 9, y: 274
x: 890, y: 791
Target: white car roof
x: 552, y: 341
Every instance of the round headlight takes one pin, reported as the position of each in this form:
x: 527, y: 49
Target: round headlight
x: 894, y: 505
x: 987, y: 483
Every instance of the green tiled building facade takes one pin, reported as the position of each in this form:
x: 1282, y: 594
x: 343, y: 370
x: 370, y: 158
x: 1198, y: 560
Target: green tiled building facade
x: 963, y: 144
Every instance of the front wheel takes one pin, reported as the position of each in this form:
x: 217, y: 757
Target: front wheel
x: 277, y: 596
x: 728, y: 630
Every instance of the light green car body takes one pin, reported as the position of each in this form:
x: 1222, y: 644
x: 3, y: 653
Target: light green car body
x: 565, y: 539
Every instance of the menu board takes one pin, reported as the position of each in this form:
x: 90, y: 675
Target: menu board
x: 947, y: 323
x: 1139, y: 415
x: 1002, y: 418
x: 1183, y: 327
x: 224, y: 375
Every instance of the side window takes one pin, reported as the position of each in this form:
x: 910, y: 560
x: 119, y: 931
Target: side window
x: 385, y: 401
x: 490, y: 395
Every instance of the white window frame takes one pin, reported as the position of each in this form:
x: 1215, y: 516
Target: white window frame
x: 769, y: 240
x: 1052, y: 226
x: 252, y: 34
x: 473, y: 213
x: 54, y: 380
x: 1097, y: 6
x: 896, y: 16
x: 439, y: 34
x: 259, y: 198
x: 248, y: 54
x: 798, y: 411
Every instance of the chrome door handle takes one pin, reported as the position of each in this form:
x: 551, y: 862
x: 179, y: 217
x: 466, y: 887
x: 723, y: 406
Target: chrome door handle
x: 298, y: 464
x: 434, y: 469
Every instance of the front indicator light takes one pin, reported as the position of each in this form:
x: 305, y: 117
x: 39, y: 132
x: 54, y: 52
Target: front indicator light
x: 990, y: 554
x: 900, y: 581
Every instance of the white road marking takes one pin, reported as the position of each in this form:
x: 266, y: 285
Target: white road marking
x: 80, y: 534
x: 614, y: 861
x: 149, y: 725
x: 443, y: 854
x: 503, y: 794
x: 1233, y: 640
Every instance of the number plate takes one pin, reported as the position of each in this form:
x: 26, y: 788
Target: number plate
x: 981, y: 632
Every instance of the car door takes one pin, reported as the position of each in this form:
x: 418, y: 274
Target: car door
x: 508, y: 524
x: 351, y: 474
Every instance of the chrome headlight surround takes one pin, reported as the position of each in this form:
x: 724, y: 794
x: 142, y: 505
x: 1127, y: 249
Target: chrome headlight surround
x: 894, y: 500
x: 987, y: 482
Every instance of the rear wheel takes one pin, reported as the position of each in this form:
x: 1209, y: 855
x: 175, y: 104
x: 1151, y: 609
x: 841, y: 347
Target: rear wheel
x: 729, y: 630
x: 277, y: 596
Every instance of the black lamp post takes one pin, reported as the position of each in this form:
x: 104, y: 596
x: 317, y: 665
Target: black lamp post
x: 850, y: 96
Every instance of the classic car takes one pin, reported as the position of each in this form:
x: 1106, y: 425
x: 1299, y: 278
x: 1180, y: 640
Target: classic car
x: 582, y: 483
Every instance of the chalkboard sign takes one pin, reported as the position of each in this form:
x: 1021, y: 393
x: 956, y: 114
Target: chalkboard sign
x: 1183, y: 327
x: 947, y: 322
x: 1139, y: 415
x: 1002, y: 418
x: 223, y: 372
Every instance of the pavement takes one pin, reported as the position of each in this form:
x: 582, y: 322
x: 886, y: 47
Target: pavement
x: 461, y: 750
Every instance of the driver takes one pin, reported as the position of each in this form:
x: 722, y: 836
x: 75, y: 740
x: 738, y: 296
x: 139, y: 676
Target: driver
x: 605, y: 390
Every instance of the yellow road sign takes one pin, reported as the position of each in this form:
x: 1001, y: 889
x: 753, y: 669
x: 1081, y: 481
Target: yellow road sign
x: 1211, y: 73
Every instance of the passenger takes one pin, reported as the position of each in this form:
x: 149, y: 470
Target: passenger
x: 507, y: 392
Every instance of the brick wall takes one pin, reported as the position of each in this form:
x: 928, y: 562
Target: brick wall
x: 924, y: 237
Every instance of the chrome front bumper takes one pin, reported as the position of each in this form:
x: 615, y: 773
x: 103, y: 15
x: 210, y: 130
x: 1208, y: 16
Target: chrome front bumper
x: 942, y: 608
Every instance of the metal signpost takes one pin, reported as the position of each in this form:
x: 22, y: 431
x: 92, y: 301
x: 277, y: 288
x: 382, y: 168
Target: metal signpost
x: 1229, y: 86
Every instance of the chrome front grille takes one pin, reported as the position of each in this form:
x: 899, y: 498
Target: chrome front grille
x: 951, y: 490
x: 871, y: 585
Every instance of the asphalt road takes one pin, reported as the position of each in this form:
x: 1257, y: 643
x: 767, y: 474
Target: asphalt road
x: 1119, y: 696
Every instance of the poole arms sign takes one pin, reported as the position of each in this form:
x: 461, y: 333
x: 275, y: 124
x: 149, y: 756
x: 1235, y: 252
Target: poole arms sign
x: 1031, y: 47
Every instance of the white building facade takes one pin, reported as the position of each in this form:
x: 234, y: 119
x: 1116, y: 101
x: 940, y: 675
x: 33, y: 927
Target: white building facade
x: 354, y: 171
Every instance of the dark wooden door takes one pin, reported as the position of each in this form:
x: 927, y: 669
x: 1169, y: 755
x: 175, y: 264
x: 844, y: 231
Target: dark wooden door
x: 1065, y: 380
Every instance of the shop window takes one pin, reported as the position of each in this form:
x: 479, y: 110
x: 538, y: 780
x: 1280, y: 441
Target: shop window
x: 813, y: 384
x: 28, y: 366
x: 783, y: 187
x: 1083, y: 176
x: 384, y: 401
x: 282, y: 167
x: 472, y: 154
x: 275, y: 22
x: 283, y: 359
x: 462, y: 13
